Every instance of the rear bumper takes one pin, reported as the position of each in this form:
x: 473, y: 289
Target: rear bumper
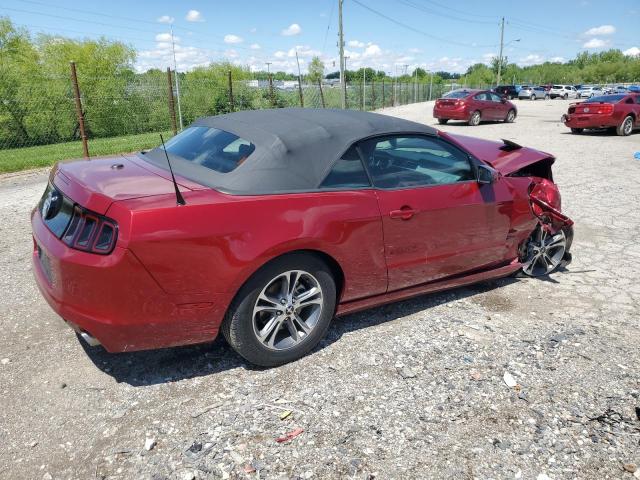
x: 451, y: 113
x: 591, y: 121
x: 113, y: 298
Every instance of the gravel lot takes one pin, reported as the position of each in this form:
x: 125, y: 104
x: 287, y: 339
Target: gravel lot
x: 410, y: 390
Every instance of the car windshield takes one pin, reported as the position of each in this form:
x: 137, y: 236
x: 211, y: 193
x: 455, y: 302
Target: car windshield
x: 457, y: 94
x: 606, y: 99
x: 208, y: 147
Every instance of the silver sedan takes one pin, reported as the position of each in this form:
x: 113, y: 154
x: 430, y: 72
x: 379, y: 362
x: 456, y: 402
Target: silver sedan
x: 589, y: 91
x: 532, y: 93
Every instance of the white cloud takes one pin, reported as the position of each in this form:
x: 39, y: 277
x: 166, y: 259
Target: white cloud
x: 372, y: 50
x: 194, y: 16
x: 601, y: 30
x: 255, y: 46
x: 253, y: 30
x: 415, y: 50
x: 632, y: 52
x: 232, y: 39
x: 231, y: 53
x: 355, y: 44
x: 280, y: 54
x: 291, y: 30
x: 532, y: 59
x: 595, y: 43
x: 557, y: 59
x: 165, y: 19
x: 166, y: 37
x: 303, y: 51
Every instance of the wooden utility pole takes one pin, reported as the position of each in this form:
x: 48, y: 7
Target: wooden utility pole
x: 76, y: 94
x: 232, y: 106
x: 172, y: 106
x: 343, y: 80
x: 501, y: 47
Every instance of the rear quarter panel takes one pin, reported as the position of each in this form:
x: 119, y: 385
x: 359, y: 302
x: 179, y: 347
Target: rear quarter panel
x: 216, y: 242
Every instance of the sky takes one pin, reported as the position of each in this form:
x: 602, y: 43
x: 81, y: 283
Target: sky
x: 390, y: 35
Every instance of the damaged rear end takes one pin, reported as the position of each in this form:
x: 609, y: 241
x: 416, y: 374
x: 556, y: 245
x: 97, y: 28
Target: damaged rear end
x: 528, y: 172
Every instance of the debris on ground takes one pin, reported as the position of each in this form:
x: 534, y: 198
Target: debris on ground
x: 149, y: 443
x: 509, y: 380
x: 290, y: 436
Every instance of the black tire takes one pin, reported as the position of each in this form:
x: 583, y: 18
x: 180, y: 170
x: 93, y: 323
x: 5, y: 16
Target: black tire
x: 533, y: 97
x: 577, y: 130
x: 546, y: 97
x: 566, y: 96
x: 238, y: 327
x: 475, y: 118
x: 626, y: 126
x: 443, y: 121
x: 511, y: 116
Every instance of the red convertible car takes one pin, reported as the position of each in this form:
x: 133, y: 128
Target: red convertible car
x: 619, y: 112
x: 473, y: 107
x: 266, y: 224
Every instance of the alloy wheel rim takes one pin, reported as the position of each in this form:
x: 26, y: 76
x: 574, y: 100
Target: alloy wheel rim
x: 627, y: 126
x: 476, y: 118
x: 287, y: 310
x: 544, y: 252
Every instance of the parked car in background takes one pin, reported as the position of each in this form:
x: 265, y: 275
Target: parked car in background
x: 532, y: 93
x: 619, y: 89
x: 634, y: 89
x: 619, y: 112
x: 563, y: 91
x: 509, y: 91
x: 607, y: 89
x: 473, y: 107
x: 590, y: 91
x: 278, y: 220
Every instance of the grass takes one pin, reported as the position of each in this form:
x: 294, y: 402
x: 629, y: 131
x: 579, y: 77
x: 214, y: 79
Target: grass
x: 17, y: 159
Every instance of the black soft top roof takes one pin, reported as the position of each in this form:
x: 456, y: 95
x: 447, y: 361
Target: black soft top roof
x: 295, y: 147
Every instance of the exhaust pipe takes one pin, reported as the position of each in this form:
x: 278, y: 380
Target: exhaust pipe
x: 89, y: 339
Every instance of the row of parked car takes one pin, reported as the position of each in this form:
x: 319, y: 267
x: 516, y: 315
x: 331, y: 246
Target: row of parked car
x: 616, y: 111
x: 566, y: 92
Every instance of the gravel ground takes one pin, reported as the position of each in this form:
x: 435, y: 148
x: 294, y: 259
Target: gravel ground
x: 410, y: 390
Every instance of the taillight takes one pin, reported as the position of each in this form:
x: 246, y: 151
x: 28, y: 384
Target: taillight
x: 605, y: 109
x: 90, y: 232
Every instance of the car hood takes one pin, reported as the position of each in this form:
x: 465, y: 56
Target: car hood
x: 97, y: 183
x: 506, y: 161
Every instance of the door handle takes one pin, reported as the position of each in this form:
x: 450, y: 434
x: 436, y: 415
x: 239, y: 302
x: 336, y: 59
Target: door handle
x: 405, y: 213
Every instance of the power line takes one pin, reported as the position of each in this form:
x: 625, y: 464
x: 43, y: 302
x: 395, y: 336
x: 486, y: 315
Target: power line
x: 445, y: 15
x: 416, y: 30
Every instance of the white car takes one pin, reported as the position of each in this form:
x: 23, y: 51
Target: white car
x: 563, y: 91
x: 590, y: 91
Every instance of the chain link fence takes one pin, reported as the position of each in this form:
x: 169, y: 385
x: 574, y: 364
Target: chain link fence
x: 125, y: 112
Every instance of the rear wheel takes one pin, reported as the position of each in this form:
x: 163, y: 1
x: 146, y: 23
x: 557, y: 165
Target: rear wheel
x: 544, y: 252
x: 533, y: 97
x: 626, y: 127
x: 566, y: 96
x: 283, y: 311
x: 443, y: 121
x: 474, y: 119
x: 577, y: 130
x: 511, y: 116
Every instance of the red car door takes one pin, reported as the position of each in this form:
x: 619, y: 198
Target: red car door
x: 437, y: 220
x: 481, y: 102
x: 499, y: 109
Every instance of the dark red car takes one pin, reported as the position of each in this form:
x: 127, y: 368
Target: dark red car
x: 278, y: 220
x: 619, y: 112
x: 473, y: 107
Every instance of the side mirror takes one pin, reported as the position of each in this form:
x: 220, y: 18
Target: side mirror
x: 503, y: 100
x: 486, y: 175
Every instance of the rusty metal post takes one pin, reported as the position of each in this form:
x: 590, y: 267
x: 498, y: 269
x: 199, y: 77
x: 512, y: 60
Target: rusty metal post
x: 271, y: 92
x: 76, y: 94
x: 373, y: 93
x: 300, y: 91
x: 383, y: 99
x: 321, y: 93
x: 232, y: 106
x: 172, y: 106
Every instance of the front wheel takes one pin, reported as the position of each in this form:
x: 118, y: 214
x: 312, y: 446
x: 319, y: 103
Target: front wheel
x: 474, y: 120
x: 283, y: 311
x: 511, y: 116
x: 545, y: 252
x: 626, y: 127
x: 566, y: 96
x: 443, y: 121
x: 577, y: 130
x: 533, y: 97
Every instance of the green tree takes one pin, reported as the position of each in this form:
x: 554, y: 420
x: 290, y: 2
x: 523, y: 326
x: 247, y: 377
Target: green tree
x: 316, y: 70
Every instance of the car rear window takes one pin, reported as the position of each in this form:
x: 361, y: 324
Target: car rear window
x: 559, y: 87
x: 457, y: 94
x: 606, y: 99
x: 209, y: 147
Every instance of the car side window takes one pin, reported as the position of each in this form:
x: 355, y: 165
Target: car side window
x: 496, y: 98
x: 347, y: 172
x: 481, y: 96
x: 413, y: 160
x: 638, y: 99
